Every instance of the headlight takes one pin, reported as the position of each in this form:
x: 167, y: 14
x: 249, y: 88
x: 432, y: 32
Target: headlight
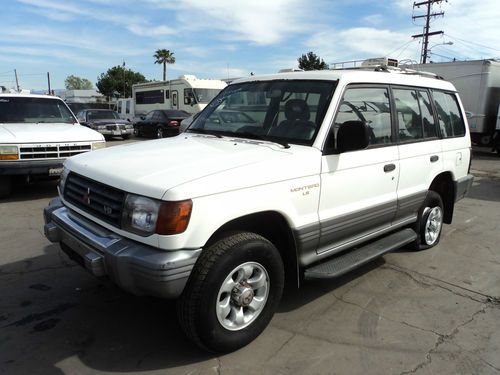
x: 62, y: 179
x: 98, y: 145
x: 9, y: 153
x: 145, y: 216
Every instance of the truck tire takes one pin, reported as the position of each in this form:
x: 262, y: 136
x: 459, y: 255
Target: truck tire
x: 5, y: 186
x: 232, y: 293
x: 429, y: 222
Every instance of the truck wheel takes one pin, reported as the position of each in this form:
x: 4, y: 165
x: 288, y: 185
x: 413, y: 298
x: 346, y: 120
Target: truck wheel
x: 159, y: 133
x: 233, y: 292
x: 430, y: 222
x: 5, y: 186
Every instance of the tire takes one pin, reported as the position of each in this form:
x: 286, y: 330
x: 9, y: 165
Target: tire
x: 5, y: 186
x: 159, y: 133
x: 137, y: 133
x: 239, y: 270
x: 429, y: 223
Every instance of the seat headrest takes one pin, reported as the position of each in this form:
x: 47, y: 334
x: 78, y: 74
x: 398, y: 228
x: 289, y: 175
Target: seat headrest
x: 296, y: 109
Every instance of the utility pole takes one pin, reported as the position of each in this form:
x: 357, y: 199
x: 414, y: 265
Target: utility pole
x: 17, y: 81
x: 48, y: 81
x: 426, y: 34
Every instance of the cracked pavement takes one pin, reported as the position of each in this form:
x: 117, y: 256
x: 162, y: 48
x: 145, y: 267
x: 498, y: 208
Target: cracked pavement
x: 430, y: 312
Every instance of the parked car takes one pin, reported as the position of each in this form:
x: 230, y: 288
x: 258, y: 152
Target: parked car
x: 339, y: 168
x: 37, y: 133
x: 106, y: 122
x: 160, y: 123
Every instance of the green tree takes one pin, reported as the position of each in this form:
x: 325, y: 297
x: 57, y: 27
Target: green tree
x: 118, y: 81
x: 164, y: 56
x: 311, y: 61
x: 76, y: 83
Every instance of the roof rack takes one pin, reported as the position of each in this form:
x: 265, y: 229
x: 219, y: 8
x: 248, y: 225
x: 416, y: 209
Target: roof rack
x: 381, y: 64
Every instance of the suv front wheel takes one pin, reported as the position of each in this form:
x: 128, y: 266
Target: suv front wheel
x: 233, y: 292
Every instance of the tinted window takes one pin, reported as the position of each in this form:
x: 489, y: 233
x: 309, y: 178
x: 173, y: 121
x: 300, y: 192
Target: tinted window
x: 174, y: 113
x: 371, y: 106
x: 34, y: 110
x: 150, y: 115
x: 102, y: 115
x: 149, y: 97
x: 414, y: 114
x: 451, y: 122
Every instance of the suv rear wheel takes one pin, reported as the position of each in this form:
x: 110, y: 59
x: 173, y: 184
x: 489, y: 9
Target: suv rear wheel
x: 429, y: 224
x: 233, y: 292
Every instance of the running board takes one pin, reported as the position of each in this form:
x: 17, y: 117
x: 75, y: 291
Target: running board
x: 356, y: 258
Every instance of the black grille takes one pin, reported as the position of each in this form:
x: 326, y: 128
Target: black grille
x: 111, y: 127
x: 99, y: 200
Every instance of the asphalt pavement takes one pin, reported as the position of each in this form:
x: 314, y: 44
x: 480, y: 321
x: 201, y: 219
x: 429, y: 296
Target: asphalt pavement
x: 430, y: 312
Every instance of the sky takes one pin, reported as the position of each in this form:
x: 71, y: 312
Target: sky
x: 227, y: 38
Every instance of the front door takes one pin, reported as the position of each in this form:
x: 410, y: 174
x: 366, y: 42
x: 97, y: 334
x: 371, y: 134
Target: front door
x: 358, y: 188
x: 175, y: 100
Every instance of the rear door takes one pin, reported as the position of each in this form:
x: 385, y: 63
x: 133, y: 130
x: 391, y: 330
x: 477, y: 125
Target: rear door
x: 358, y: 188
x: 420, y: 152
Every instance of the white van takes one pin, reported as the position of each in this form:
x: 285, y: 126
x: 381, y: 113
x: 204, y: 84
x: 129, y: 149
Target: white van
x: 280, y: 177
x: 37, y: 133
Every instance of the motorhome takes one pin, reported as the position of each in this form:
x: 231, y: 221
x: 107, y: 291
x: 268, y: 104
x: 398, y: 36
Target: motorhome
x: 186, y: 93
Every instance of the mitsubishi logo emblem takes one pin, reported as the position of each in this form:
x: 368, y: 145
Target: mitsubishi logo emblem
x: 86, y: 197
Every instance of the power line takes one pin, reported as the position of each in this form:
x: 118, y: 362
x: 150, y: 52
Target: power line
x: 474, y: 43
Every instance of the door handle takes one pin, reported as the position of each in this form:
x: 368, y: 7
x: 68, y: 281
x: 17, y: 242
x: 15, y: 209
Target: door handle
x: 389, y: 167
x: 434, y: 158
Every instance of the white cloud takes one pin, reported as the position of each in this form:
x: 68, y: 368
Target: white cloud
x: 374, y: 19
x: 355, y: 43
x: 262, y: 22
x: 143, y: 30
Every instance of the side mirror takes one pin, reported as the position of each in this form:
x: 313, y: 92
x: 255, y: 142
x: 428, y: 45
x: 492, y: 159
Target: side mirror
x: 143, y: 117
x: 352, y: 136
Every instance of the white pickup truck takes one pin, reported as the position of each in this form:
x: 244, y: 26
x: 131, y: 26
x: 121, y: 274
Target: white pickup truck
x: 37, y: 133
x: 312, y: 175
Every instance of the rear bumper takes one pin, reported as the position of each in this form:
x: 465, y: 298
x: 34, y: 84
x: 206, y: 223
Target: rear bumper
x: 463, y: 186
x: 29, y: 167
x: 135, y: 267
x: 117, y: 132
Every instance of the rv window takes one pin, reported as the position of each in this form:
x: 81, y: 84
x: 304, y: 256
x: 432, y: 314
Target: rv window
x: 119, y: 106
x: 167, y: 94
x: 127, y: 106
x: 149, y: 97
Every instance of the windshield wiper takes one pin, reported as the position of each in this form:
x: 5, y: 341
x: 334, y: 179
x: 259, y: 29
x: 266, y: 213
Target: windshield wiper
x: 261, y: 138
x: 204, y: 131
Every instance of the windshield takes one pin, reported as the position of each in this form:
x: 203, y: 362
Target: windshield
x: 102, y: 115
x: 280, y: 111
x: 205, y: 95
x: 34, y: 110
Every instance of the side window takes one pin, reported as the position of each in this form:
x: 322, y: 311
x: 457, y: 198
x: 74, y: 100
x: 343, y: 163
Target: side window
x: 414, y: 113
x: 167, y: 94
x: 430, y: 127
x: 119, y: 106
x: 150, y: 115
x: 127, y: 106
x: 371, y: 106
x: 451, y: 122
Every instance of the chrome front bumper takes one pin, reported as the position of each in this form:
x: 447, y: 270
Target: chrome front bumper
x: 135, y: 267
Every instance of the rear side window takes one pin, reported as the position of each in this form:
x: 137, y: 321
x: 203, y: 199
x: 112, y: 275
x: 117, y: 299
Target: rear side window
x: 414, y: 114
x: 451, y: 122
x: 371, y: 106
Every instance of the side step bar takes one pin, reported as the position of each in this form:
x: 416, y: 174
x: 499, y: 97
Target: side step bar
x: 351, y: 260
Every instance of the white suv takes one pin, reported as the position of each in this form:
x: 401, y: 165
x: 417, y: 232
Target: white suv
x: 333, y: 169
x: 37, y: 133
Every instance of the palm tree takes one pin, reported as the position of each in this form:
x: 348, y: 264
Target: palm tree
x: 164, y: 56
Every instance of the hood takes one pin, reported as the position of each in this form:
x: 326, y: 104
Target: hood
x: 110, y: 121
x: 46, y: 133
x: 151, y: 168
